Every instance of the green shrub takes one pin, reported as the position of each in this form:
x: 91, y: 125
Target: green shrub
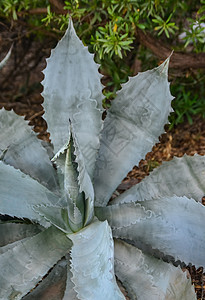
x: 109, y: 28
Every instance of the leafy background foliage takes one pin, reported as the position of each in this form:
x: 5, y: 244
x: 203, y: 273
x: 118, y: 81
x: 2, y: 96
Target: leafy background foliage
x: 110, y: 28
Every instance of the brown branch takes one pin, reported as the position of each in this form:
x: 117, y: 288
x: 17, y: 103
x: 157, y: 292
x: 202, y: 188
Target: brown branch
x: 40, y: 11
x: 58, y: 5
x: 33, y: 28
x: 34, y: 11
x: 39, y: 113
x: 179, y: 60
x: 12, y: 104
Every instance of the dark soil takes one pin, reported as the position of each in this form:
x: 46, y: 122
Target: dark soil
x: 20, y: 90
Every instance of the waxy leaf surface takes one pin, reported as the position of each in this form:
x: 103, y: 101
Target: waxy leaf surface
x: 19, y: 193
x: 171, y: 225
x: 20, y: 148
x: 11, y: 232
x: 132, y: 127
x: 92, y: 263
x: 181, y: 176
x: 53, y: 285
x: 23, y: 266
x: 146, y: 277
x: 73, y: 91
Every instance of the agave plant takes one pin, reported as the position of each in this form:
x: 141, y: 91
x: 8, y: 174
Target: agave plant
x: 61, y: 237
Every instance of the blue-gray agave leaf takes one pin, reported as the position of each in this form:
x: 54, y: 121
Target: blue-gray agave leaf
x: 23, y: 150
x: 73, y: 91
x: 6, y: 58
x: 11, y: 232
x: 52, y: 286
x: 92, y: 263
x: 24, y: 266
x: 19, y: 193
x: 77, y: 98
x: 11, y: 246
x: 171, y: 225
x: 132, y: 126
x: 146, y: 277
x: 181, y: 176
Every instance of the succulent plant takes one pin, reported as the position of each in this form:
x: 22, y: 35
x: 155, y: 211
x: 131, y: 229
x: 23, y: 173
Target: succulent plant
x: 60, y: 236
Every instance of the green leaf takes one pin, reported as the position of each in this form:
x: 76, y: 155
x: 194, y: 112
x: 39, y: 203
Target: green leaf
x: 23, y: 266
x: 146, y: 277
x: 92, y: 263
x: 71, y: 85
x: 11, y: 232
x: 20, y: 148
x: 19, y: 192
x: 170, y: 225
x: 184, y: 176
x: 131, y: 128
x: 141, y: 26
